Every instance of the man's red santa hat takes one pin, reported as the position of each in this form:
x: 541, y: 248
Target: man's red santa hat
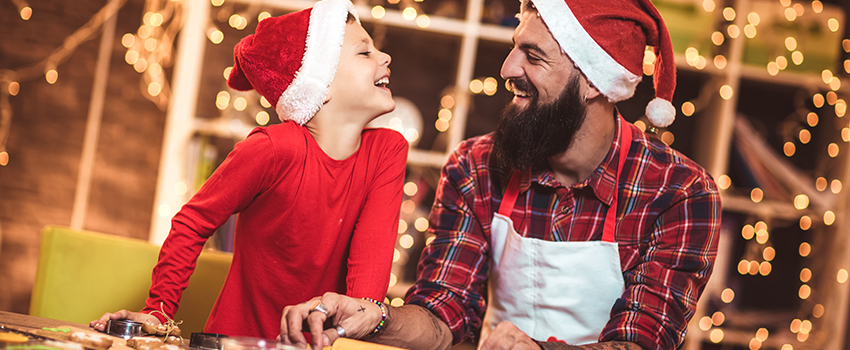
x: 291, y: 60
x: 606, y: 40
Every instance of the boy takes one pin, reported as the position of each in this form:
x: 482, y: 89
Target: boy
x: 318, y: 195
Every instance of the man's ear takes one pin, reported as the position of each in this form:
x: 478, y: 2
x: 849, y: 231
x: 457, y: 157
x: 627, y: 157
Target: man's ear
x: 328, y: 97
x: 592, y: 91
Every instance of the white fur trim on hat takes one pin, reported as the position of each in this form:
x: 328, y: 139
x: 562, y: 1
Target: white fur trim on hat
x: 660, y: 112
x: 307, y: 92
x: 612, y: 79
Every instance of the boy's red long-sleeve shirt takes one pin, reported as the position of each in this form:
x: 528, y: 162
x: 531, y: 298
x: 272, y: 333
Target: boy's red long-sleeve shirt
x: 307, y: 224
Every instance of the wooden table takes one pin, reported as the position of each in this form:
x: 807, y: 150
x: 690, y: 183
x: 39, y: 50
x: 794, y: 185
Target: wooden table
x: 28, y: 323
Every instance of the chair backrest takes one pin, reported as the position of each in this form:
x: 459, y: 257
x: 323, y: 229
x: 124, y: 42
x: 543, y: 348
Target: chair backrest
x: 83, y: 274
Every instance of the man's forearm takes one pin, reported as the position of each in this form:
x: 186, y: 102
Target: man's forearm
x: 414, y: 327
x: 611, y: 345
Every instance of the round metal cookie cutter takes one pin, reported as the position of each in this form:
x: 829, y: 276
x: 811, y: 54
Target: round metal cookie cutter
x: 209, y: 341
x: 124, y: 328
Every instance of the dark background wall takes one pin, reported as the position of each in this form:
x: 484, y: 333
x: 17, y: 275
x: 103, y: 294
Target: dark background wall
x: 46, y: 140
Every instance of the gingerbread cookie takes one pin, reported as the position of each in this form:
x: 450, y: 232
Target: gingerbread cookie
x: 63, y: 333
x: 160, y: 329
x: 12, y: 338
x: 91, y: 340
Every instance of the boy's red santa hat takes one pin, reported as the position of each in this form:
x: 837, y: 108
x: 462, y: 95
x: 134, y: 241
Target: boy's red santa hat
x: 291, y: 60
x: 606, y: 40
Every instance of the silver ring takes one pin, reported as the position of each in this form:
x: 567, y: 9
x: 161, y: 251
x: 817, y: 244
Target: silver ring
x: 318, y: 306
x: 340, y: 331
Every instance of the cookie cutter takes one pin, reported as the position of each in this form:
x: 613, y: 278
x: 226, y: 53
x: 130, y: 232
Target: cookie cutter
x: 124, y: 328
x: 209, y: 341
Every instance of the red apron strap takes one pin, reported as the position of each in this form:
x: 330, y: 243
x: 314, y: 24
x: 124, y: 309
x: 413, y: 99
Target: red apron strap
x: 511, y: 193
x: 611, y: 215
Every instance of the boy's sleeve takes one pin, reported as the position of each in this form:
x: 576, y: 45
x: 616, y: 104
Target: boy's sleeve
x: 372, y: 243
x: 229, y: 190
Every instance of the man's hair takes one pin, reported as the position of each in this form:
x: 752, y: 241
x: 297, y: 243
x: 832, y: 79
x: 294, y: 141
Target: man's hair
x: 350, y: 18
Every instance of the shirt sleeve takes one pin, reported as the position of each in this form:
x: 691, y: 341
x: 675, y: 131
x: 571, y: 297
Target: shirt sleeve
x: 453, y: 268
x: 373, y: 240
x: 229, y: 190
x: 663, y: 288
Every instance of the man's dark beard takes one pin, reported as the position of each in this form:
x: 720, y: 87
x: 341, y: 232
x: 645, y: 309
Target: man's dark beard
x: 527, y: 138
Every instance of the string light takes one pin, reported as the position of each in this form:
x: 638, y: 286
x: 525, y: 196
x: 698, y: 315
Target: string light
x: 14, y: 88
x: 402, y: 226
x: 410, y: 189
x: 805, y: 249
x: 717, y: 38
x: 790, y: 43
x: 762, y: 334
x: 423, y: 21
x: 716, y: 335
x: 724, y: 182
x: 263, y: 15
x: 805, y: 292
x: 750, y: 31
x: 720, y: 61
x: 835, y: 186
x: 688, y: 108
x: 833, y: 24
x: 262, y: 118
x: 705, y: 323
x: 801, y: 201
x: 782, y: 62
x: 817, y: 311
x: 476, y: 86
x: 828, y: 217
x: 727, y: 295
x: 805, y: 223
x: 726, y: 92
x: 789, y: 148
x: 817, y: 6
x: 756, y: 195
x: 818, y: 100
x: 832, y: 150
x: 805, y: 275
x: 378, y: 12
x: 421, y: 224
x: 797, y: 57
x: 790, y: 14
x: 805, y: 136
x: 729, y: 14
x: 708, y: 5
x: 409, y: 13
x: 812, y: 119
x: 842, y: 276
x: 748, y: 232
x: 718, y: 318
x: 733, y: 31
x: 753, y: 18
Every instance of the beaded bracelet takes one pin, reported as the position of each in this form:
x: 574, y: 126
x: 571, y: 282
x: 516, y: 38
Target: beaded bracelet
x: 383, y: 316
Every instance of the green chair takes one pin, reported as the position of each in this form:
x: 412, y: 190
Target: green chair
x: 83, y: 274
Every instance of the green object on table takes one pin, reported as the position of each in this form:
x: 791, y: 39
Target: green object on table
x: 82, y: 274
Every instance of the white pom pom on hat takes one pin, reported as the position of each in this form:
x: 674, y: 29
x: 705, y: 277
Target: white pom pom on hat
x: 607, y: 39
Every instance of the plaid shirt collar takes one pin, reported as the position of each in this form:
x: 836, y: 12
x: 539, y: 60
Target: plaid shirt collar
x: 602, y: 181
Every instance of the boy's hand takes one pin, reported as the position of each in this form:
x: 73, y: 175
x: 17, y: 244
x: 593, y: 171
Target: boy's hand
x: 100, y: 324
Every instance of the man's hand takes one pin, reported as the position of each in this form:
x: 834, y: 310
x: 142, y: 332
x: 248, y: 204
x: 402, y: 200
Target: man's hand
x: 100, y: 324
x: 507, y: 336
x: 356, y: 316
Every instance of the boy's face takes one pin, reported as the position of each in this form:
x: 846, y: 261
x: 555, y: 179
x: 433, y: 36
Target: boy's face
x: 360, y: 83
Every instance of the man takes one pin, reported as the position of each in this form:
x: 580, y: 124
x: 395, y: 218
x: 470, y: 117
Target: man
x: 583, y: 229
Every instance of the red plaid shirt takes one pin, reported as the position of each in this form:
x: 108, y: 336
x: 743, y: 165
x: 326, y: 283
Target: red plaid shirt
x: 668, y: 222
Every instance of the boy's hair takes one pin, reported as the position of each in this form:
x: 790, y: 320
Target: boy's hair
x: 292, y: 59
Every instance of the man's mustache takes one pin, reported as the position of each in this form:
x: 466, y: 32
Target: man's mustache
x: 523, y: 85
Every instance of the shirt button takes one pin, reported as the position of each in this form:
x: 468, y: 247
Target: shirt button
x: 565, y: 209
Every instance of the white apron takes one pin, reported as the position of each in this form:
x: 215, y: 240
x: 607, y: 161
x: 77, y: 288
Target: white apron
x: 553, y: 289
